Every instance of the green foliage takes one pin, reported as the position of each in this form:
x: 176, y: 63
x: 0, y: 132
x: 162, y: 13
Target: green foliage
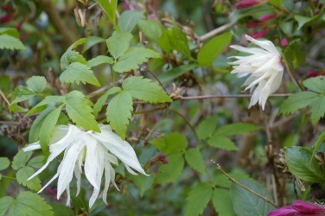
x: 60, y: 209
x: 129, y: 19
x: 219, y: 137
x: 145, y: 89
x: 4, y: 164
x: 222, y: 202
x: 319, y: 141
x: 173, y: 143
x: 26, y: 204
x: 131, y: 59
x: 170, y: 172
x: 24, y: 167
x: 101, y: 101
x: 118, y: 43
x: 77, y: 72
x: 302, y: 99
x: 47, y: 127
x: 100, y: 60
x: 198, y: 199
x: 118, y: 112
x: 295, y: 54
x: 119, y: 109
x: 142, y: 182
x: 194, y: 158
x: 303, y: 165
x: 213, y: 48
x: 109, y: 8
x: 246, y: 203
x: 178, y: 41
x: 175, y: 72
x: 36, y: 83
x: 9, y: 39
x: 151, y: 28
x: 79, y: 110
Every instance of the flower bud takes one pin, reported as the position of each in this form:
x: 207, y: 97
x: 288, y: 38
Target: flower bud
x: 284, y: 42
x: 246, y: 3
x: 266, y: 17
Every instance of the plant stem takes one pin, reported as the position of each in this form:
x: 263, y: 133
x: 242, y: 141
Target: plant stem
x: 292, y: 74
x: 8, y: 177
x: 266, y: 199
x: 225, y: 96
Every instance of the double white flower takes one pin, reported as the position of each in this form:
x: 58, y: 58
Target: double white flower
x: 264, y: 66
x: 87, y: 149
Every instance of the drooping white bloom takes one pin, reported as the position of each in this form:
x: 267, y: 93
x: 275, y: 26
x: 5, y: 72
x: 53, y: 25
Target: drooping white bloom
x: 264, y: 67
x: 90, y: 150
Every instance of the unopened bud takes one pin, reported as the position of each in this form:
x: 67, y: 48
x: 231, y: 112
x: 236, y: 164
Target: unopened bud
x: 266, y: 17
x: 246, y: 3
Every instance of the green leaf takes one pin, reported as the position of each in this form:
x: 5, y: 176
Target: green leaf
x: 134, y: 56
x: 302, y: 20
x: 142, y: 182
x: 100, y: 60
x: 9, y: 31
x: 37, y: 124
x: 170, y: 144
x: 36, y: 83
x: 175, y: 72
x: 61, y: 210
x: 77, y: 72
x: 145, y: 89
x: 221, y: 201
x: 194, y: 158
x: 91, y: 41
x: 118, y: 43
x: 48, y: 100
x: 101, y: 101
x: 23, y: 174
x: 151, y: 28
x: 118, y: 112
x: 224, y: 182
x: 198, y: 199
x: 246, y: 203
x: 319, y: 141
x: 4, y: 163
x: 213, y: 48
x: 15, y: 108
x: 316, y: 84
x: 297, y: 101
x: 295, y: 54
x: 36, y: 162
x: 109, y: 7
x: 79, y: 110
x: 318, y: 109
x: 9, y: 42
x: 303, y: 165
x: 207, y: 127
x: 21, y: 159
x: 26, y: 204
x: 178, y: 41
x: 222, y: 142
x: 170, y: 172
x: 21, y: 93
x: 236, y: 128
x: 47, y: 127
x: 71, y: 56
x: 277, y: 3
x: 129, y: 19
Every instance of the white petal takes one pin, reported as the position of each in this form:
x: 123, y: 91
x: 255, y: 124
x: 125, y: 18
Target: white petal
x: 77, y: 174
x: 119, y: 148
x: 47, y: 184
x: 93, y: 197
x: 32, y: 146
x: 268, y: 45
x: 67, y: 165
x: 92, y: 161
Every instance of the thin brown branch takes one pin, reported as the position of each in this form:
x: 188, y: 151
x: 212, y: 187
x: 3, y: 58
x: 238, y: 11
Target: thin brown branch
x: 266, y: 199
x: 57, y: 22
x: 225, y: 96
x: 4, y: 98
x: 214, y: 32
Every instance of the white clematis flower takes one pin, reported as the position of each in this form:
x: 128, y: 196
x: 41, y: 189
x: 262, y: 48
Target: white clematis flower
x: 87, y: 149
x: 264, y: 66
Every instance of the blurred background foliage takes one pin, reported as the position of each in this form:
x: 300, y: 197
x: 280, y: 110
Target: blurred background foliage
x: 47, y: 28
